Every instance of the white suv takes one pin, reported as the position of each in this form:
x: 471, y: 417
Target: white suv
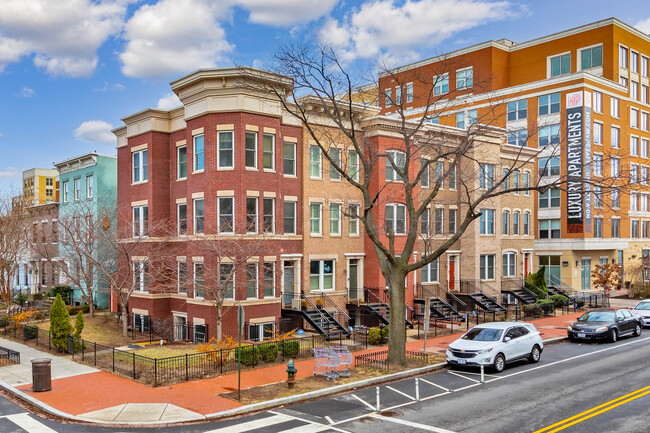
x: 642, y: 311
x: 495, y: 344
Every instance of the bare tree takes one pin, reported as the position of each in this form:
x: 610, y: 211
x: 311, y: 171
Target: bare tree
x: 13, y: 222
x: 325, y: 93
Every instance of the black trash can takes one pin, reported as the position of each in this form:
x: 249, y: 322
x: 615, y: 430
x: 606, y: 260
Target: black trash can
x: 41, y: 374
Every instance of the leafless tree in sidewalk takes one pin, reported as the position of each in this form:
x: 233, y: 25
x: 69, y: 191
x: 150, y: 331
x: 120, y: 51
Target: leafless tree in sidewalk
x: 13, y: 223
x: 323, y: 87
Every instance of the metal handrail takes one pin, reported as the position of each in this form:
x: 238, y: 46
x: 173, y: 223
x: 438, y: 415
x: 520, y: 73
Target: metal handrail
x: 554, y: 281
x: 336, y: 307
x: 313, y: 307
x: 368, y: 291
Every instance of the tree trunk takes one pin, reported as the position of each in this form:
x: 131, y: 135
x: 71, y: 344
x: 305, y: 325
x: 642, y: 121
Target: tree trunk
x: 124, y: 318
x: 92, y: 307
x: 219, y: 320
x: 397, y: 330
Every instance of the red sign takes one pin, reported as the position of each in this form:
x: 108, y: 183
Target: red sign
x: 574, y: 100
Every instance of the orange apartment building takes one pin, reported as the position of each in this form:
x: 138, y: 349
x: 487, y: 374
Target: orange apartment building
x: 580, y: 98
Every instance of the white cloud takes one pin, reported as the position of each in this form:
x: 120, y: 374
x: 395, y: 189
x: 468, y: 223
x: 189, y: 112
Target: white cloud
x: 95, y: 131
x: 384, y: 29
x: 169, y: 101
x: 285, y: 13
x: 26, y: 92
x: 644, y: 25
x: 108, y: 87
x: 173, y: 37
x: 10, y: 173
x: 63, y: 35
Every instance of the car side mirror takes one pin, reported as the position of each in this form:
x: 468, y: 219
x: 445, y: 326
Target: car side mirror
x: 506, y: 339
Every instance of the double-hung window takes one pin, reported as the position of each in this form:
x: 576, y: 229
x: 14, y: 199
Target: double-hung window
x: 616, y: 137
x: 353, y: 226
x: 395, y: 219
x: 622, y: 57
x: 77, y: 189
x: 460, y: 120
x: 549, y: 104
x: 515, y: 223
x: 140, y: 166
x: 199, y: 152
x: 181, y: 277
x: 389, y: 97
x: 441, y: 84
x: 518, y: 137
x: 398, y: 160
x: 509, y: 264
x: 560, y: 65
x: 598, y: 102
x: 634, y: 173
x: 268, y: 215
x: 616, y: 227
x: 225, y: 146
x: 250, y: 143
x: 198, y: 216
x: 526, y: 223
x: 409, y: 92
x: 199, y: 280
x: 550, y: 198
x: 616, y: 198
x: 549, y: 229
x: 505, y: 222
x: 335, y: 219
x: 290, y: 217
x: 592, y: 57
x: 486, y: 222
x: 315, y: 161
x: 549, y: 166
x: 353, y: 165
x: 486, y: 176
x: 227, y: 279
x: 321, y: 275
x: 429, y: 273
x: 644, y: 66
x: 269, y: 152
x: 614, y: 107
x: 526, y: 182
x: 424, y: 222
x: 597, y: 164
x: 181, y: 162
x: 315, y: 218
x: 289, y: 159
x: 634, y: 61
x: 251, y: 280
x: 141, y: 275
x: 398, y: 95
x: 268, y: 279
x: 615, y: 167
x: 517, y: 110
x: 549, y: 134
x: 424, y: 178
x: 90, y: 186
x: 634, y: 118
x: 251, y: 214
x: 439, y: 227
x: 181, y: 218
x: 634, y: 201
x: 66, y: 198
x: 634, y: 146
x: 464, y: 78
x: 598, y: 133
x: 335, y: 155
x: 486, y: 266
x: 226, y: 214
x: 140, y: 221
x: 452, y: 221
x: 440, y: 174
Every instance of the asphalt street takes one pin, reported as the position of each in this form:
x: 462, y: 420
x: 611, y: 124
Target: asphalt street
x: 574, y: 388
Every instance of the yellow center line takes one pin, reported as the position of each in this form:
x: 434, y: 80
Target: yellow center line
x: 582, y: 414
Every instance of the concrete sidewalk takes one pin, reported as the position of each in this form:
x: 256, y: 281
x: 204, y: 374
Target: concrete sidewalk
x: 85, y: 394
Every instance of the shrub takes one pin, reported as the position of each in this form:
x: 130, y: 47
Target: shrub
x: 79, y: 324
x: 72, y: 311
x: 249, y: 355
x: 38, y: 296
x: 384, y: 333
x: 559, y: 300
x: 374, y: 336
x: 536, y: 283
x: 39, y: 315
x: 533, y: 310
x: 4, y: 321
x: 64, y: 291
x: 268, y: 352
x: 20, y: 299
x: 85, y: 308
x: 30, y: 332
x: 290, y: 348
x: 60, y: 325
x: 578, y: 303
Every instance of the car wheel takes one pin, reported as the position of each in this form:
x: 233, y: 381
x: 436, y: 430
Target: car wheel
x: 499, y: 363
x: 535, y: 354
x: 613, y: 336
x: 637, y: 330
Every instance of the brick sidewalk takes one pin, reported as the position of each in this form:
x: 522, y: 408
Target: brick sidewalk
x: 94, y: 391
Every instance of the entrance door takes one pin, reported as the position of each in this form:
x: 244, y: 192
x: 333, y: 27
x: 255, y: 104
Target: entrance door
x: 526, y: 264
x: 289, y: 283
x: 452, y: 273
x: 353, y: 279
x: 586, y: 274
x: 180, y: 328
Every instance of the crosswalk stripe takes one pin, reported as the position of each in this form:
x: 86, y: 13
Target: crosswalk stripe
x: 252, y: 425
x: 311, y: 428
x: 26, y: 422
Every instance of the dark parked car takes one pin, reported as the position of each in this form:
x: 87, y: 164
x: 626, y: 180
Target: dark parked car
x: 605, y: 323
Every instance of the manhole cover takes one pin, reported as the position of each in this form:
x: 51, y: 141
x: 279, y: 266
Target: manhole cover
x: 391, y: 413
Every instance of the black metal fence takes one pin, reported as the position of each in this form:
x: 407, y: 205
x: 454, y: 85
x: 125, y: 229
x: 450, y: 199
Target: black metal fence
x: 8, y: 356
x: 379, y: 359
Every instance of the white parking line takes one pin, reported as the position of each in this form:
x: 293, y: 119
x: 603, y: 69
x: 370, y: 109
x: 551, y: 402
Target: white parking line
x: 464, y: 377
x: 435, y: 384
x: 364, y: 402
x: 478, y: 374
x: 400, y: 392
x: 411, y: 424
x: 313, y: 427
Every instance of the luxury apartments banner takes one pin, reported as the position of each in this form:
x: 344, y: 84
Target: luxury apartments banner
x: 578, y: 120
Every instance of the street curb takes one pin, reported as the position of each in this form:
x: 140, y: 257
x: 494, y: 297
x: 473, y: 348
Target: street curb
x: 256, y: 407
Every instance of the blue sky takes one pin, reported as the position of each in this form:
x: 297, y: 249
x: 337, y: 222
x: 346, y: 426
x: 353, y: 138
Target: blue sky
x: 70, y: 69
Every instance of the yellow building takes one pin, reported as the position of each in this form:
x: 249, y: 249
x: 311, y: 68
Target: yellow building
x: 40, y: 186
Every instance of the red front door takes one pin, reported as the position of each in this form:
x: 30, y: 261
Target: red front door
x: 452, y: 272
x: 526, y: 265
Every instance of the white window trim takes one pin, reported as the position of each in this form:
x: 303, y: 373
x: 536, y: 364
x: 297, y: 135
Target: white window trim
x: 194, y: 154
x: 232, y: 232
x: 272, y: 169
x: 232, y: 149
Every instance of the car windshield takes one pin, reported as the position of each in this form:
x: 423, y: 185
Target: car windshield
x: 643, y: 306
x: 482, y: 334
x: 597, y: 316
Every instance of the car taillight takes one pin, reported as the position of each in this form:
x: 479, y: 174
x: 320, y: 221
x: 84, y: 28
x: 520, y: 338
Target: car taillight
x: 540, y: 334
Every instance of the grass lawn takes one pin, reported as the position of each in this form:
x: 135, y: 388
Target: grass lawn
x: 101, y: 329
x: 158, y: 351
